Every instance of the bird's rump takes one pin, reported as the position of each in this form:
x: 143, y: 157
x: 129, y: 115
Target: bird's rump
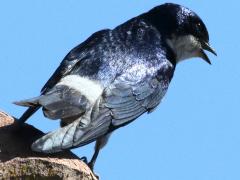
x: 61, y: 102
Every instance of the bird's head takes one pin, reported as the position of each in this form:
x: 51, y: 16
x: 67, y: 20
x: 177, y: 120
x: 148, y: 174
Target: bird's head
x: 184, y: 31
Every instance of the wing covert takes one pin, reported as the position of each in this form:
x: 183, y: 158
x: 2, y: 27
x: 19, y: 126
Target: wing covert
x: 137, y: 91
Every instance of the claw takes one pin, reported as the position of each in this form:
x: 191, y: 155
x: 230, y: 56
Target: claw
x: 90, y: 165
x: 84, y: 159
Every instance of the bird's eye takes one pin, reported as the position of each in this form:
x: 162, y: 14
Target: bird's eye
x: 199, y: 26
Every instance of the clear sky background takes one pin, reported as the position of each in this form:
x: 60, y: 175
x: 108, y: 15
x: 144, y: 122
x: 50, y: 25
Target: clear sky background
x: 194, y: 133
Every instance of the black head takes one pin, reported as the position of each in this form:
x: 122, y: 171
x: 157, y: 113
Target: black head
x: 183, y: 29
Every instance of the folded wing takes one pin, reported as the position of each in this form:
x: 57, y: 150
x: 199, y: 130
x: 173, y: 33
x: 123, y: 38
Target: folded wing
x: 135, y: 92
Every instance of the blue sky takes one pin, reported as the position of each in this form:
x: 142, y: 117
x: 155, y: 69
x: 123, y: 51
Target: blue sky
x: 194, y: 133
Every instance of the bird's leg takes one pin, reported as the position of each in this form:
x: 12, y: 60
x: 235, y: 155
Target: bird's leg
x: 95, y: 155
x: 100, y: 143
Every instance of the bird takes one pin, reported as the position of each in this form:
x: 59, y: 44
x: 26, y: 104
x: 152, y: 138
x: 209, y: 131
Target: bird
x: 115, y: 76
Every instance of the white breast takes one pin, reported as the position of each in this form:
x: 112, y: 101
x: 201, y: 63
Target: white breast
x: 89, y: 88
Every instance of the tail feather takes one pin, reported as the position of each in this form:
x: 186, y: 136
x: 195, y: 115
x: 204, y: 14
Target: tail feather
x: 73, y: 135
x: 33, y: 107
x: 28, y: 102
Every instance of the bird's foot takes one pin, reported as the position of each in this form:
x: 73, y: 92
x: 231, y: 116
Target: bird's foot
x: 95, y: 175
x: 84, y: 159
x: 90, y: 165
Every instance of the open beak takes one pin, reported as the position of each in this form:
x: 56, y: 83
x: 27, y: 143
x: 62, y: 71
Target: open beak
x: 207, y: 47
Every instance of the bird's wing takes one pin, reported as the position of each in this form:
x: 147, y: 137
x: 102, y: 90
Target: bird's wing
x: 73, y: 58
x: 138, y: 90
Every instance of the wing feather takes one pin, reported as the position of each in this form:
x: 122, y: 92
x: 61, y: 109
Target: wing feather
x: 122, y: 101
x: 129, y: 98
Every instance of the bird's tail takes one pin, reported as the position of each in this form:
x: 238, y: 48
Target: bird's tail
x: 78, y: 133
x: 32, y: 105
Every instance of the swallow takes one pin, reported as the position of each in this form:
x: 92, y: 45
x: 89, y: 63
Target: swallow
x: 115, y: 76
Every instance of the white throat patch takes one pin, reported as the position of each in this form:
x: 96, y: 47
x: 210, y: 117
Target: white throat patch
x: 89, y: 88
x: 184, y: 47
